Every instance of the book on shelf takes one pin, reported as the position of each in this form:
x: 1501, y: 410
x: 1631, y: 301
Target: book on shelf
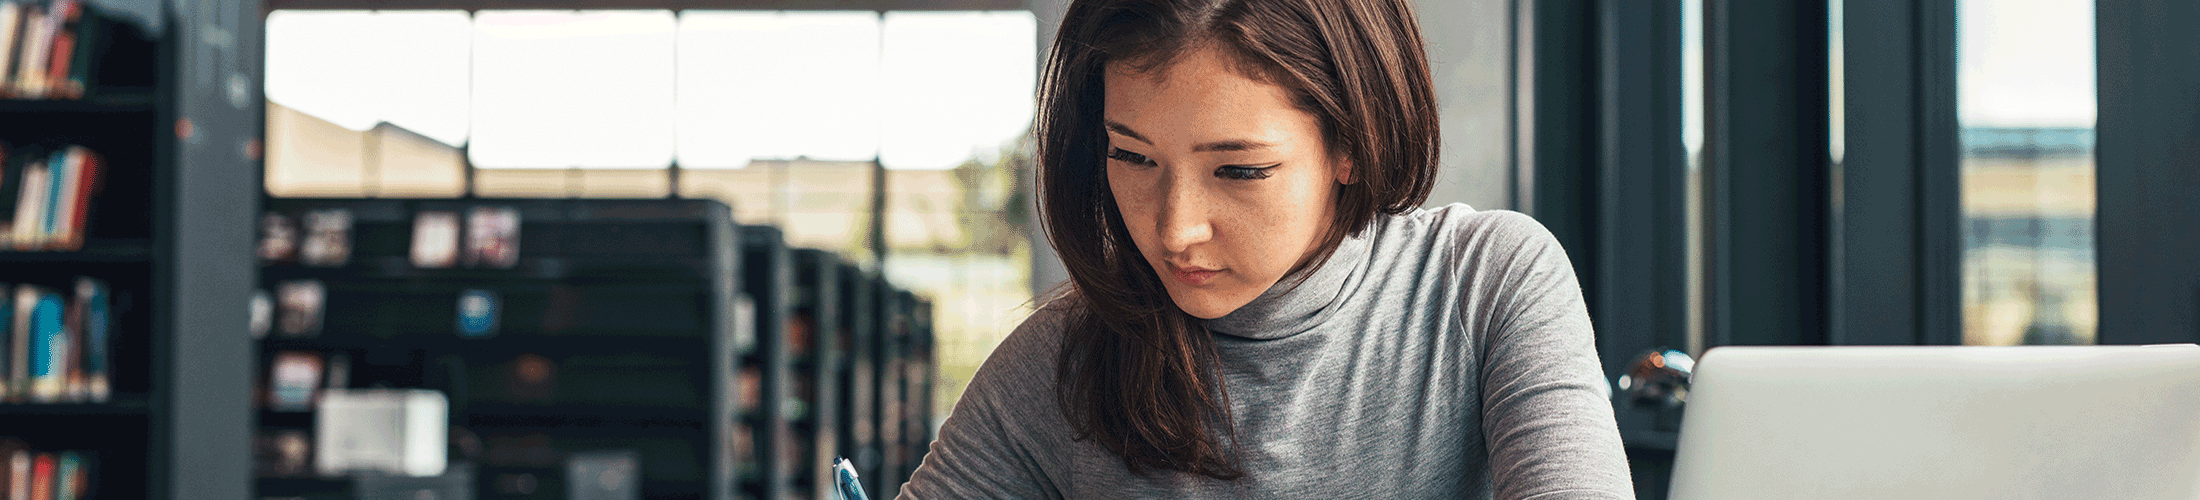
x: 294, y: 380
x: 477, y: 313
x: 278, y: 238
x: 283, y: 453
x: 46, y: 196
x: 299, y: 305
x: 492, y: 237
x: 92, y: 317
x: 435, y: 239
x: 327, y: 238
x: 51, y: 51
x: 57, y: 350
x: 44, y: 475
x: 50, y: 349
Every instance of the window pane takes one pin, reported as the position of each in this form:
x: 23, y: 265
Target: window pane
x: 777, y: 85
x: 2027, y: 104
x: 962, y: 85
x: 564, y: 89
x: 358, y: 68
x: 1692, y: 144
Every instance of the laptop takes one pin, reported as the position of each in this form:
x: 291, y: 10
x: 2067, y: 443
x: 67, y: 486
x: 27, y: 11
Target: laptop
x: 2119, y: 422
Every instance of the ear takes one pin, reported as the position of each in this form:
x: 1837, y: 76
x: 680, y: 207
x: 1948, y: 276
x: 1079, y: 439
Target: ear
x: 1343, y: 170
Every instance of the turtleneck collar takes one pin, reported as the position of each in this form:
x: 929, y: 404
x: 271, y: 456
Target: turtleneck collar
x: 1285, y: 310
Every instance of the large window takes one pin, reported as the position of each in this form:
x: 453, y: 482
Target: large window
x: 2026, y: 102
x: 781, y: 114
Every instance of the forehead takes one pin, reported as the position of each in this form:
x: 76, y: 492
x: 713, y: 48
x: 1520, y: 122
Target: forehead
x: 1200, y: 95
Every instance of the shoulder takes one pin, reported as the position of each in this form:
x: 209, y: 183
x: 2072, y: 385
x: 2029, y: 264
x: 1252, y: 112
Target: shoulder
x: 1021, y: 369
x: 1482, y: 239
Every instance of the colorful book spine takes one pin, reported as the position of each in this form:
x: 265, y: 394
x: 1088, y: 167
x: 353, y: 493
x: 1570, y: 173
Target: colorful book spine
x: 30, y: 204
x: 19, y: 338
x: 88, y: 169
x: 49, y: 349
x: 42, y: 469
x: 59, y: 182
x: 11, y: 41
x: 96, y: 324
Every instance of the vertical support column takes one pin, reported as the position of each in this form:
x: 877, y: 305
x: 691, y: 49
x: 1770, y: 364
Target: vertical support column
x: 1894, y: 248
x: 1767, y: 159
x: 203, y: 261
x: 1639, y: 180
x: 2148, y: 217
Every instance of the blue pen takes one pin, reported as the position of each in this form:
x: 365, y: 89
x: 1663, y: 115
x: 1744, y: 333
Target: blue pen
x: 844, y: 474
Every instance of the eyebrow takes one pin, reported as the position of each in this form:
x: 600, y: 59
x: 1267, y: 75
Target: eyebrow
x: 1222, y: 145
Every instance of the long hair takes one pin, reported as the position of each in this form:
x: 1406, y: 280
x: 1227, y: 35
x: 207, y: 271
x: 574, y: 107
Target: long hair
x: 1137, y: 375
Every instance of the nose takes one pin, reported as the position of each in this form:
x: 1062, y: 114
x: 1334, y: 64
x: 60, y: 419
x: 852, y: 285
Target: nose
x: 1183, y: 213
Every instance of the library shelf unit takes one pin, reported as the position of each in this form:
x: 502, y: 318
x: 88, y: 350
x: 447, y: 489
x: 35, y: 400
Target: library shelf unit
x: 904, y: 344
x: 172, y: 108
x: 735, y: 365
x: 615, y: 330
x: 767, y: 280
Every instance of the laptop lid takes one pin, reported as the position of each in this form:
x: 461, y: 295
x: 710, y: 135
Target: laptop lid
x: 1942, y: 423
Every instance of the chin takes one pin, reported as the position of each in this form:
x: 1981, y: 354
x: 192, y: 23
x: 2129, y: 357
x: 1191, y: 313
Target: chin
x: 1205, y: 304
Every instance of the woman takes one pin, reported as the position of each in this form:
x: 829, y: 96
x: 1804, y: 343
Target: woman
x: 1257, y: 307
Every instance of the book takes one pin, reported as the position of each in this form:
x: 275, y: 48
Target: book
x: 492, y: 237
x: 327, y: 238
x: 15, y: 469
x: 42, y: 470
x: 282, y: 453
x: 278, y: 238
x: 71, y: 471
x: 30, y: 204
x: 60, y: 175
x: 36, y: 36
x: 299, y: 305
x: 11, y: 188
x: 263, y: 313
x: 50, y: 349
x: 11, y: 31
x: 72, y: 80
x: 86, y: 169
x: 19, y: 343
x: 435, y: 239
x: 95, y: 324
x: 477, y: 313
x: 531, y: 378
x: 295, y: 381
x: 64, y: 16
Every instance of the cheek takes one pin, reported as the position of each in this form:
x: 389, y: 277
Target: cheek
x: 1132, y: 202
x: 1277, y: 223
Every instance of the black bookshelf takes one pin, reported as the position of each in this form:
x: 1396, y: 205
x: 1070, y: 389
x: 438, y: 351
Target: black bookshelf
x: 631, y: 303
x: 905, y: 398
x: 768, y: 281
x: 169, y: 232
x: 815, y: 337
x: 858, y: 374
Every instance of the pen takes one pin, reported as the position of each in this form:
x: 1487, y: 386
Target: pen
x: 844, y: 475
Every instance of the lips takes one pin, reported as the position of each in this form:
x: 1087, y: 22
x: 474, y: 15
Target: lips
x: 1194, y: 276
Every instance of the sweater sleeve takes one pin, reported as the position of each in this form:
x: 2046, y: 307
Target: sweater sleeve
x: 1546, y: 415
x: 981, y: 451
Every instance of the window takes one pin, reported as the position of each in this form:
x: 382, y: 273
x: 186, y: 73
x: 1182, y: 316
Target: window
x: 2026, y: 103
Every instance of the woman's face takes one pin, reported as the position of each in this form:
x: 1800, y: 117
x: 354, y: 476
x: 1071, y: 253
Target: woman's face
x: 1225, y: 186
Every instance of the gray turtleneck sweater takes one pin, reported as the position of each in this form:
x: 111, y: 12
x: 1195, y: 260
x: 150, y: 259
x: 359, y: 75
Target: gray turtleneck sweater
x: 1444, y: 353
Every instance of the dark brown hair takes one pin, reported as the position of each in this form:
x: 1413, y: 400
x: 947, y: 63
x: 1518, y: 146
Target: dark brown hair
x: 1136, y: 374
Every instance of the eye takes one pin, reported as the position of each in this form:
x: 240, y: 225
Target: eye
x: 1242, y: 173
x: 1118, y: 154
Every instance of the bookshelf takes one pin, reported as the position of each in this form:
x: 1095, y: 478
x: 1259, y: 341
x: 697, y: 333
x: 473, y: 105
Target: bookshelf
x: 905, y: 396
x: 858, y: 397
x: 615, y: 329
x: 172, y: 110
x: 768, y: 280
